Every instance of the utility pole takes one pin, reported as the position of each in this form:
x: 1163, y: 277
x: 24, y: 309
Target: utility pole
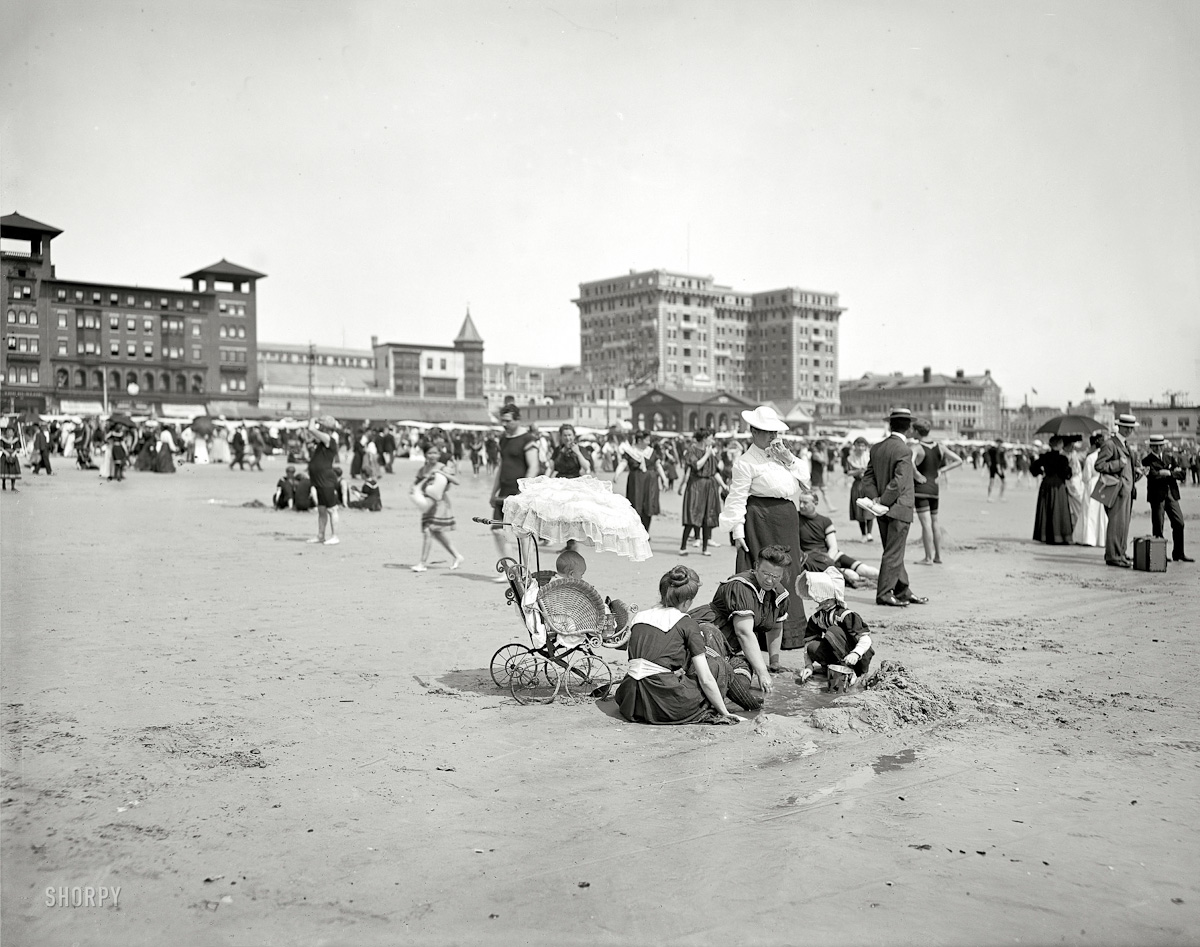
x: 312, y: 358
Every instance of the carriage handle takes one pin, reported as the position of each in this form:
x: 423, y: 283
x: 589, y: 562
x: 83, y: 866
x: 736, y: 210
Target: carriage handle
x: 520, y: 531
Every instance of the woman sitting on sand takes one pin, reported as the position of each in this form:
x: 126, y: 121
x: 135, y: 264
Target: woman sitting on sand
x: 670, y: 679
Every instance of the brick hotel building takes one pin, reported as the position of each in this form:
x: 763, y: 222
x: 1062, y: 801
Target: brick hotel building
x: 72, y: 345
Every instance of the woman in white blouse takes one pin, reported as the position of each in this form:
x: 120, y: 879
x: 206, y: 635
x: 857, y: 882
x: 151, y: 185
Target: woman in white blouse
x: 760, y: 509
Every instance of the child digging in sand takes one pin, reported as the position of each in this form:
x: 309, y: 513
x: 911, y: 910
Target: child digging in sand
x: 835, y: 634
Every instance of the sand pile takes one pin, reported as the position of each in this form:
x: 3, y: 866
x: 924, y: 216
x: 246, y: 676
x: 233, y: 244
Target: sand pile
x: 894, y: 698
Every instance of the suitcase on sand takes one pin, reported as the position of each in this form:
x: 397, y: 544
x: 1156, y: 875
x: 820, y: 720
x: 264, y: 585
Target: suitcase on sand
x: 1150, y: 554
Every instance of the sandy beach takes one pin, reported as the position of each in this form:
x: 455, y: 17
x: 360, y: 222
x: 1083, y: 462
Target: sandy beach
x: 261, y: 741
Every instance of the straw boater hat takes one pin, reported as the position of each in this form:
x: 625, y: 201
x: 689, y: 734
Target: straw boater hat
x: 900, y: 413
x: 765, y: 418
x: 1157, y: 439
x: 1127, y: 420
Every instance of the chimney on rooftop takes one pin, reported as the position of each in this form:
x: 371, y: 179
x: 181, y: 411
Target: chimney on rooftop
x: 958, y: 374
x: 926, y: 374
x: 374, y: 341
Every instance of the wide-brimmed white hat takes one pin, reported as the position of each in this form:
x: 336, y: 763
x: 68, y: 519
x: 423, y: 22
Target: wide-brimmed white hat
x: 1127, y: 420
x: 765, y: 418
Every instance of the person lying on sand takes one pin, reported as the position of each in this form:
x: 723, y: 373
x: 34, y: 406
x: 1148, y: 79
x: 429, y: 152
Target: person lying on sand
x: 818, y: 542
x: 836, y: 634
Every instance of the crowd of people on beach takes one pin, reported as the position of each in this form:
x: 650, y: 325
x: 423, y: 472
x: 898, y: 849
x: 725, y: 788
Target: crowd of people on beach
x: 762, y: 493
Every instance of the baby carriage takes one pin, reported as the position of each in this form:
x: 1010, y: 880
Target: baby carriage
x: 567, y: 622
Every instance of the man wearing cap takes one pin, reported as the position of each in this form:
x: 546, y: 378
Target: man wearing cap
x: 1163, y: 473
x: 1114, y: 458
x: 889, y: 477
x: 760, y: 509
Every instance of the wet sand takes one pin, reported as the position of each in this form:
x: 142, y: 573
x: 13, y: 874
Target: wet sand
x: 266, y: 742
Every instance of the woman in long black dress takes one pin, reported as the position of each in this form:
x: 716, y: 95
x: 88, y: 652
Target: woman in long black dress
x: 646, y: 476
x: 1053, y: 523
x: 760, y: 509
x: 857, y: 460
x: 701, y: 489
x: 670, y: 679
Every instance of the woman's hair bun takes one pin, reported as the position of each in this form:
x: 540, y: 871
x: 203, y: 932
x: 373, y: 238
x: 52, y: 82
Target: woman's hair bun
x: 680, y: 575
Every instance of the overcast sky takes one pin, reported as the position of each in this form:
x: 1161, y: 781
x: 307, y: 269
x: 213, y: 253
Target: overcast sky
x: 1006, y: 185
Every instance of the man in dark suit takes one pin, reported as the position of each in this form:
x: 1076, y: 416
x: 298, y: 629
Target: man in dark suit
x: 1115, y: 458
x: 889, y: 478
x: 1163, y: 473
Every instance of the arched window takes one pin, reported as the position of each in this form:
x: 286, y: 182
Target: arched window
x: 197, y: 384
x: 97, y: 379
x: 80, y: 378
x: 148, y: 381
x: 693, y: 421
x: 723, y: 420
x: 165, y: 381
x: 657, y: 421
x: 181, y: 383
x: 114, y: 380
x: 62, y: 378
x: 131, y: 379
x: 709, y: 420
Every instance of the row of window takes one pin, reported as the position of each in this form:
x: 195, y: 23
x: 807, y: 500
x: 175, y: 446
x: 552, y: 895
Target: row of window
x: 82, y: 379
x: 22, y: 376
x: 22, y: 291
x: 22, y: 317
x: 22, y: 343
x: 232, y: 332
x: 233, y: 355
x: 91, y: 320
x: 92, y: 347
x: 296, y: 358
x: 233, y: 384
x: 130, y: 300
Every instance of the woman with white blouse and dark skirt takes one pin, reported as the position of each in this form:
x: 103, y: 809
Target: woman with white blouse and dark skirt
x: 760, y: 509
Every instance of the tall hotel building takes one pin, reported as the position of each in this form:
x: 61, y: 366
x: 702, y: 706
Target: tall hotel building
x: 680, y: 330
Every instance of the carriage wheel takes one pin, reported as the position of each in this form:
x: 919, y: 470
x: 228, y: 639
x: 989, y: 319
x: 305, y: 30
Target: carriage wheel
x: 588, y: 676
x: 527, y: 682
x: 501, y: 674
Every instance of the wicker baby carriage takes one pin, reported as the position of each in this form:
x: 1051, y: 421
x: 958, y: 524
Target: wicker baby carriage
x: 568, y: 622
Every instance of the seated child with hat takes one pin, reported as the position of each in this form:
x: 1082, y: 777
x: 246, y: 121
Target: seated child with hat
x: 835, y: 634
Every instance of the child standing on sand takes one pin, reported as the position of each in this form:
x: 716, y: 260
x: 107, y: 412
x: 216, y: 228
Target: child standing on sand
x: 438, y: 520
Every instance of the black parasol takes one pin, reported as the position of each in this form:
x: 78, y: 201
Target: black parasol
x: 1070, y: 425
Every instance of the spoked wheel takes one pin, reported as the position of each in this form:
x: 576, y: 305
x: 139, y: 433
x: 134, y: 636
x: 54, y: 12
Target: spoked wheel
x: 583, y: 674
x: 528, y: 683
x: 588, y: 676
x: 501, y: 674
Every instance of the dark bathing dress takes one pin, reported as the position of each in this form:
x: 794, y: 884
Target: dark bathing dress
x: 701, y: 496
x: 1053, y: 522
x: 668, y: 698
x: 320, y: 472
x: 641, y: 485
x: 740, y: 595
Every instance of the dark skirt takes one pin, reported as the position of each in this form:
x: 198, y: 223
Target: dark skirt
x: 667, y: 699
x: 641, y: 490
x: 1053, y: 522
x: 10, y: 465
x: 701, y: 502
x: 857, y: 513
x: 146, y: 456
x: 773, y: 521
x: 163, y: 462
